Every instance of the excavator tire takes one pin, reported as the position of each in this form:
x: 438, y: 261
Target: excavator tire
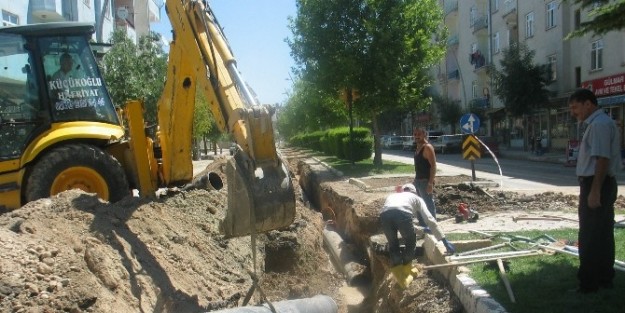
x: 78, y: 166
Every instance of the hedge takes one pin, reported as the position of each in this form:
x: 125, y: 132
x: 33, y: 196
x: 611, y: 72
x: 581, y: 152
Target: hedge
x: 335, y: 142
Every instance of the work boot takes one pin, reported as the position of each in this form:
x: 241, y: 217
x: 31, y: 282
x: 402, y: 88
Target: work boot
x: 403, y: 277
x: 407, y: 269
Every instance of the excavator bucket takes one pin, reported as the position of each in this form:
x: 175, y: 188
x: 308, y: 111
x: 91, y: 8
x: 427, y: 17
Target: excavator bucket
x: 263, y: 198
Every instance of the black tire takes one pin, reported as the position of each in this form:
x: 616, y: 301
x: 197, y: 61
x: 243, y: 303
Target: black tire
x: 101, y: 172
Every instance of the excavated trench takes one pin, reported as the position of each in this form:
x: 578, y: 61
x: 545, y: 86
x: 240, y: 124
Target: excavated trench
x: 359, y: 249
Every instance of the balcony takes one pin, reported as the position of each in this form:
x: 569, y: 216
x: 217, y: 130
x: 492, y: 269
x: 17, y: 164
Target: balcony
x: 451, y: 6
x: 47, y: 10
x: 453, y: 75
x: 509, y: 12
x: 480, y: 23
x: 153, y: 10
x: 482, y: 103
x: 453, y: 41
x: 479, y: 61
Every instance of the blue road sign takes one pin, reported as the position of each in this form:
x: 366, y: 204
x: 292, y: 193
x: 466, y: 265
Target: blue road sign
x: 469, y: 123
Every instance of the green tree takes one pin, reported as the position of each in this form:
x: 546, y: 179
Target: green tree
x: 309, y: 109
x: 520, y: 83
x: 606, y: 15
x: 135, y: 71
x: 449, y: 111
x: 380, y: 48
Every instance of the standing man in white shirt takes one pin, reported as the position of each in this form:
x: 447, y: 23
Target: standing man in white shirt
x: 597, y: 164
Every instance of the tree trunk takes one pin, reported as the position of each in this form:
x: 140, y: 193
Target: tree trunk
x: 377, y: 149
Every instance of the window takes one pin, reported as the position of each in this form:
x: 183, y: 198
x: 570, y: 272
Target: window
x: 496, y: 46
x: 578, y: 76
x: 19, y: 104
x: 473, y: 15
x: 596, y: 55
x: 474, y: 89
x: 75, y: 87
x: 108, y: 13
x: 577, y: 20
x: 9, y: 19
x: 529, y: 25
x: 552, y: 61
x: 551, y: 14
x: 508, y: 36
x: 495, y: 5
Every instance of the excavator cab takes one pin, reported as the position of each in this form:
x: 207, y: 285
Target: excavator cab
x: 53, y: 101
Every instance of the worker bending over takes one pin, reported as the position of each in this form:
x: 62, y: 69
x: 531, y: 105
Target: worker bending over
x: 397, y: 216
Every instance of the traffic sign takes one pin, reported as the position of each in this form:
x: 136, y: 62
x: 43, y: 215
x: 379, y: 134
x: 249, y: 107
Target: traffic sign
x: 469, y: 123
x: 471, y: 148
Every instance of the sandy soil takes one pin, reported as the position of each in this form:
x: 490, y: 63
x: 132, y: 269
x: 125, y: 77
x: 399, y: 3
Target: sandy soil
x: 76, y: 253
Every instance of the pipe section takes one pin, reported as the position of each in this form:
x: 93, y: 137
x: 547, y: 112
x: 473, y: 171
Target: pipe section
x: 354, y: 272
x: 316, y: 304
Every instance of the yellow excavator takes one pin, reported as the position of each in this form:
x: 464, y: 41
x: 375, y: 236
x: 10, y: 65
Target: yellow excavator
x: 59, y: 129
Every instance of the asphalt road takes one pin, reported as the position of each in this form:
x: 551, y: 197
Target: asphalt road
x: 516, y: 175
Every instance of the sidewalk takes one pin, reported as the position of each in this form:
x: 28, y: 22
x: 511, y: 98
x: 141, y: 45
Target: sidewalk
x: 551, y: 157
x: 557, y: 157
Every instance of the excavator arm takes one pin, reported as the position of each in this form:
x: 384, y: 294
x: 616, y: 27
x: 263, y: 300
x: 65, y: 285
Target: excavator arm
x: 260, y: 191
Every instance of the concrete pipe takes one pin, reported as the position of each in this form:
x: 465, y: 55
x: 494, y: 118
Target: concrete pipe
x: 316, y: 304
x: 209, y: 181
x: 354, y: 272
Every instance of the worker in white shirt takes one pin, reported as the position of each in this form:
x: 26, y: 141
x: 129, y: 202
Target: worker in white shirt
x: 397, y: 216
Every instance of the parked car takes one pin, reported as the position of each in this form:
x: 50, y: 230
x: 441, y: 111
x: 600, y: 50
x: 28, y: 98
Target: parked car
x: 384, y: 141
x: 408, y: 144
x: 393, y: 142
x: 447, y: 143
x: 492, y: 143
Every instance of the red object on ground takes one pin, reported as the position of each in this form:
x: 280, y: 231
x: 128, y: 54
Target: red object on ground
x: 462, y: 209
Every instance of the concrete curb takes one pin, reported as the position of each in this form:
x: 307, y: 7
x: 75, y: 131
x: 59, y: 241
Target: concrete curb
x: 330, y: 168
x: 473, y: 297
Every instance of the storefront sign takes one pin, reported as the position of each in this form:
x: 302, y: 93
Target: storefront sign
x: 611, y: 85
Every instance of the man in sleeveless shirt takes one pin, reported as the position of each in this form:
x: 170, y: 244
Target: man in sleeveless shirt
x: 425, y: 171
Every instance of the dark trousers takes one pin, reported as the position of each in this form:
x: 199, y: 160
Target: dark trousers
x: 596, y: 235
x: 393, y: 221
x: 422, y: 191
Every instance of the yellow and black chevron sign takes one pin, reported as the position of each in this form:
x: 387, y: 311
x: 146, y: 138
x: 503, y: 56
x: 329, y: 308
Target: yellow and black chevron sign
x: 471, y: 148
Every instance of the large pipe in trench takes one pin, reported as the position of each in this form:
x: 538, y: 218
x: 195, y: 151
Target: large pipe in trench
x: 316, y: 304
x: 352, y: 270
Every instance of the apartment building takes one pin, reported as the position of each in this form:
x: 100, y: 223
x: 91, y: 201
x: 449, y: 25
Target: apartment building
x: 133, y: 15
x: 479, y: 30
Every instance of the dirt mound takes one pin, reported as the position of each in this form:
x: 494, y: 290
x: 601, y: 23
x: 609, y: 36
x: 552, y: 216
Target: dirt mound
x: 75, y: 253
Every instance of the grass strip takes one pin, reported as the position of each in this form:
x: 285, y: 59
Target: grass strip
x: 547, y: 283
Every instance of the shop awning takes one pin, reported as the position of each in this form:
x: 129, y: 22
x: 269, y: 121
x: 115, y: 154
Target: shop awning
x: 605, y: 101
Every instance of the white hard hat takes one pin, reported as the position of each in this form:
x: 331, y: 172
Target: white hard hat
x: 409, y: 187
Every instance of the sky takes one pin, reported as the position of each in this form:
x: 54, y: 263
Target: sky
x: 256, y: 31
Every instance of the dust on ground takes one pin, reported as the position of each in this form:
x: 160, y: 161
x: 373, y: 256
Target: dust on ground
x: 76, y: 253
